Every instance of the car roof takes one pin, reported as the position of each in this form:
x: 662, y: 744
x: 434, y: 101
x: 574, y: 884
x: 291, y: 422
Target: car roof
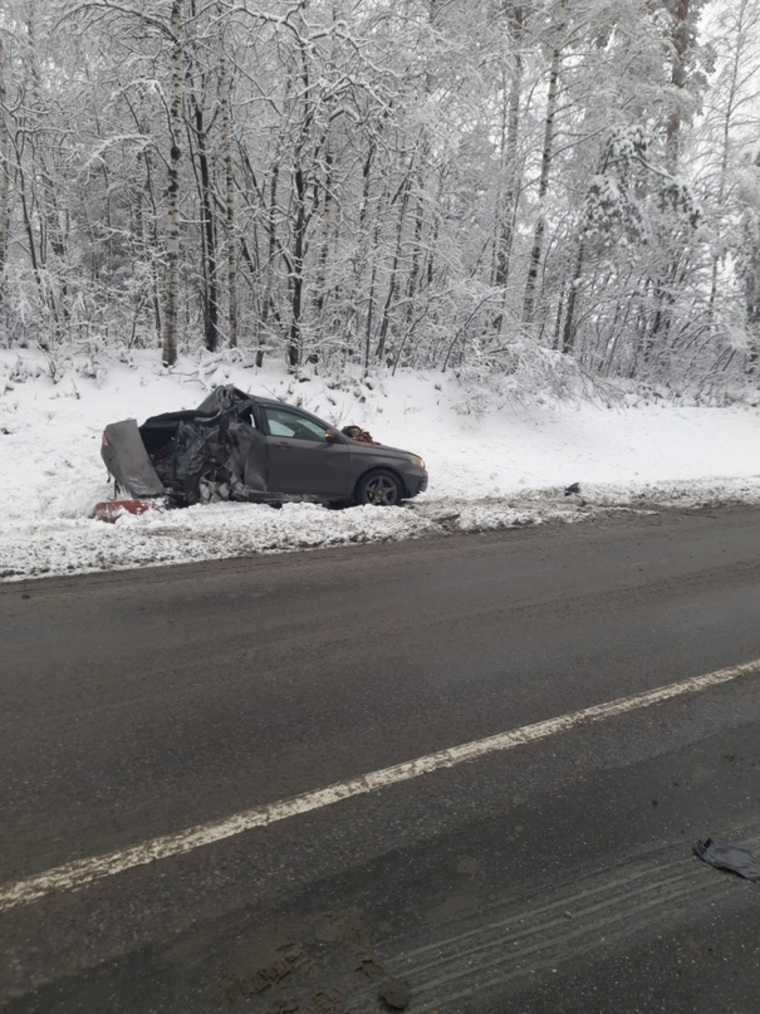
x: 276, y: 403
x: 270, y: 401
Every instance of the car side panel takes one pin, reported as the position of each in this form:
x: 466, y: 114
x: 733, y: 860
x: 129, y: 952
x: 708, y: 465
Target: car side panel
x: 308, y: 467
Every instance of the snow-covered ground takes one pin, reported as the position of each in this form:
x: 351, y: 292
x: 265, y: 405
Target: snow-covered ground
x: 491, y: 465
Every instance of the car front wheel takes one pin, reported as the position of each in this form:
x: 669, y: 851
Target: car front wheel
x: 381, y: 488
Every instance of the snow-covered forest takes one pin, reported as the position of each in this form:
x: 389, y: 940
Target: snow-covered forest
x: 544, y: 188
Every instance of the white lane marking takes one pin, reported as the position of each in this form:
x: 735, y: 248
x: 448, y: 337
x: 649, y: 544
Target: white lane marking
x: 82, y: 872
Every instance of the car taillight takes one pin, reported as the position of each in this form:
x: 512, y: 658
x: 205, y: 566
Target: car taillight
x: 105, y: 440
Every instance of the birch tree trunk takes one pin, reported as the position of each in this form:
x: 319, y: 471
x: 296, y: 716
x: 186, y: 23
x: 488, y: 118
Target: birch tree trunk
x: 229, y: 190
x: 299, y: 215
x: 679, y: 43
x: 733, y: 105
x: 210, y: 284
x: 515, y: 16
x: 266, y: 301
x: 393, y: 282
x: 169, y: 353
x: 295, y: 334
x: 5, y: 173
x: 413, y: 281
x: 327, y: 225
x: 547, y: 153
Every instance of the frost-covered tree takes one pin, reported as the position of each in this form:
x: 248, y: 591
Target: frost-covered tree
x: 396, y: 183
x: 728, y: 176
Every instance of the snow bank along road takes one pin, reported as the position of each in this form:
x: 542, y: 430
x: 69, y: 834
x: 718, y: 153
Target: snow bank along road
x: 170, y: 714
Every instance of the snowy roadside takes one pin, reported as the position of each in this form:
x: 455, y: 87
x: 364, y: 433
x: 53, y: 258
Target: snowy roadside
x: 502, y: 467
x: 220, y: 531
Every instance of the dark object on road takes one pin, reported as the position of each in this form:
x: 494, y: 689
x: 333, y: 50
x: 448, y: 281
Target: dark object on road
x: 726, y: 855
x: 257, y: 450
x: 573, y: 488
x: 395, y: 994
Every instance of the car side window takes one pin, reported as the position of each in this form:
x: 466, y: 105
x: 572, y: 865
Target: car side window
x: 283, y: 422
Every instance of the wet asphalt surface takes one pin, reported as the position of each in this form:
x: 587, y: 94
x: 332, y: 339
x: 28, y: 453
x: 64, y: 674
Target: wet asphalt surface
x: 557, y: 876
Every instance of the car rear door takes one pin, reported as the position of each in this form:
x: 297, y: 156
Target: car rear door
x: 300, y: 459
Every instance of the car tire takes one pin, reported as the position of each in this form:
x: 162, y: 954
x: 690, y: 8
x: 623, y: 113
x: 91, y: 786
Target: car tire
x: 380, y: 487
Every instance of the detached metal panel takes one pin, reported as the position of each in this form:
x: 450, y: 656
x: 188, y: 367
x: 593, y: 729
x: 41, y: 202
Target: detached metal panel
x: 127, y: 460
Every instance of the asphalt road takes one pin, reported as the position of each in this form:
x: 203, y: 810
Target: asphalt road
x: 555, y: 875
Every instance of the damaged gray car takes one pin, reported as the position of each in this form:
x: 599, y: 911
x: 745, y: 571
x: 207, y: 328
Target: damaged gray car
x: 238, y: 447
